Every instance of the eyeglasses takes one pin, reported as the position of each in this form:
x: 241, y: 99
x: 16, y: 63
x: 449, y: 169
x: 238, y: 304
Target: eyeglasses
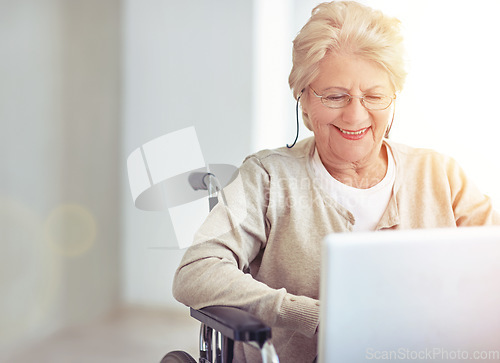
x: 370, y: 101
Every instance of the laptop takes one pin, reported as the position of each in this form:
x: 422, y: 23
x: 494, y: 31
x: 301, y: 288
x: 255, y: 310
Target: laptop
x: 414, y: 295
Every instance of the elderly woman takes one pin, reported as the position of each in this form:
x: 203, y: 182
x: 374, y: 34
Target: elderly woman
x: 261, y: 251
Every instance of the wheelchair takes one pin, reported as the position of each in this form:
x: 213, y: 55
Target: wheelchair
x: 220, y: 327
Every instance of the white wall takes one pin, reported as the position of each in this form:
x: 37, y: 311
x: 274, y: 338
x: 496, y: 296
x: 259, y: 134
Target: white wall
x: 454, y: 66
x: 185, y: 63
x: 59, y: 144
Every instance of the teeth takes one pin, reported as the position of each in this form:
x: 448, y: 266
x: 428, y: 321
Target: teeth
x: 352, y: 132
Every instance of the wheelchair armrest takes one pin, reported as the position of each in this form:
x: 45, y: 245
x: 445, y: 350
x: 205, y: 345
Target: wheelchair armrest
x: 233, y: 323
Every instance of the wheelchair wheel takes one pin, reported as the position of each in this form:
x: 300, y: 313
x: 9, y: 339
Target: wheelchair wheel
x: 178, y: 356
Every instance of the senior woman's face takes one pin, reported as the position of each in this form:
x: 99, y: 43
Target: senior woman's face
x: 351, y: 134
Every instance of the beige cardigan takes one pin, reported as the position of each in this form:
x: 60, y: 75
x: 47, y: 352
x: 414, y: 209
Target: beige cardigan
x: 262, y: 253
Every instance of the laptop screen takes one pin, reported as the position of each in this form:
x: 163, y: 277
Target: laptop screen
x: 416, y: 295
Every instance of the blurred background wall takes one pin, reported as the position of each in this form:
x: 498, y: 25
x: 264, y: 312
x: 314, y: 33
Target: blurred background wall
x: 85, y: 82
x: 185, y: 63
x: 60, y: 201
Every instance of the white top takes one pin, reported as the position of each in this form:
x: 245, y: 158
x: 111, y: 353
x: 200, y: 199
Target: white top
x: 366, y: 205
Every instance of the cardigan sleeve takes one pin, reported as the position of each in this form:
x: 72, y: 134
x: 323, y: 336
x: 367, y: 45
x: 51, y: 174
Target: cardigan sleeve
x: 217, y: 268
x: 471, y: 207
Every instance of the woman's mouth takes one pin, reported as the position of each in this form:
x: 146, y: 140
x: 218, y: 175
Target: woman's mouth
x: 353, y: 134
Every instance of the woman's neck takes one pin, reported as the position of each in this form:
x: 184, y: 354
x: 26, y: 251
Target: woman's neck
x: 361, y: 175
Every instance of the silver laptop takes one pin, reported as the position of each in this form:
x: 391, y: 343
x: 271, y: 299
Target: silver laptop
x: 415, y: 295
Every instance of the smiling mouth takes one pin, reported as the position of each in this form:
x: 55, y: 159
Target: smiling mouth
x: 353, y: 133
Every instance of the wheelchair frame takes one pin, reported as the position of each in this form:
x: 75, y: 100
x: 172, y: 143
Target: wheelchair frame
x: 220, y: 327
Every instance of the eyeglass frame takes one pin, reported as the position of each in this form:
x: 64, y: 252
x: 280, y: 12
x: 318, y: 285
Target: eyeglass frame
x: 361, y: 100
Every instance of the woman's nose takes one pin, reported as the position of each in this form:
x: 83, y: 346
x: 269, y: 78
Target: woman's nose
x: 354, y: 111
